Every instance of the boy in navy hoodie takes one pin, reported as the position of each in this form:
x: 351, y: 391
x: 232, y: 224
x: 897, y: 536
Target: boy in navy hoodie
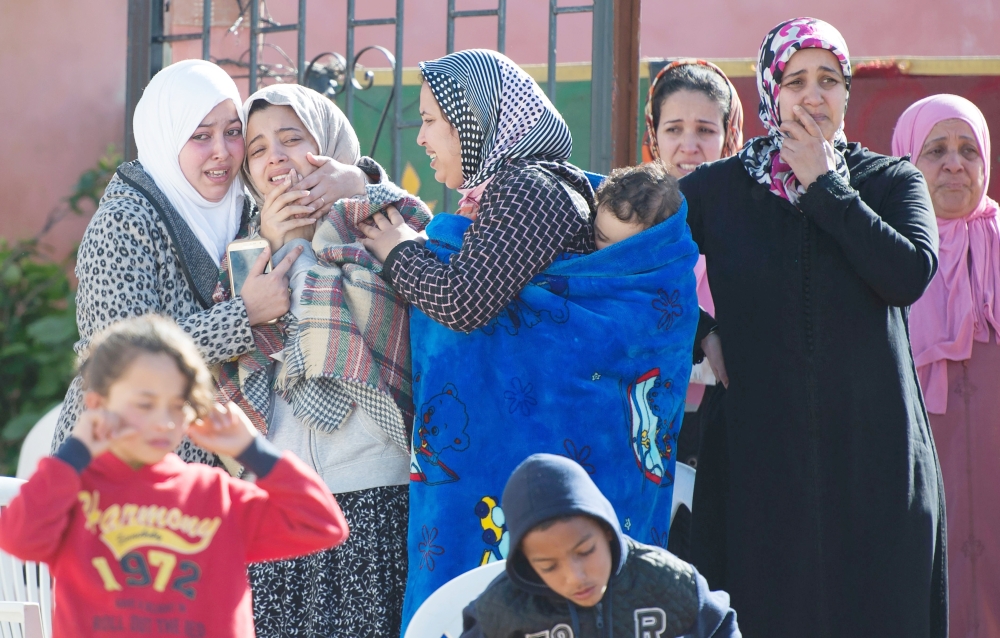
x: 571, y: 573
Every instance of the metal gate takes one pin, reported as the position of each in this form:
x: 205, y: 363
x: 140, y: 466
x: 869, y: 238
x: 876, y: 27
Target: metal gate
x: 147, y: 44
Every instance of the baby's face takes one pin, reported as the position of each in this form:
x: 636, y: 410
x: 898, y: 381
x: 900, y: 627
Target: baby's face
x: 608, y: 229
x: 573, y: 557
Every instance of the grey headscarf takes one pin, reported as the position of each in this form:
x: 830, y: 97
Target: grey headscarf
x: 334, y: 135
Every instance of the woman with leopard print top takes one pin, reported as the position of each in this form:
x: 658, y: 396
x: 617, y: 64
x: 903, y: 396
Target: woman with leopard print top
x: 157, y: 239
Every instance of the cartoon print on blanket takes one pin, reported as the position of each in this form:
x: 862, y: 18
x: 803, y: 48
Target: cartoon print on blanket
x: 519, y: 312
x: 654, y: 426
x: 552, y: 373
x: 440, y: 426
x: 495, y: 533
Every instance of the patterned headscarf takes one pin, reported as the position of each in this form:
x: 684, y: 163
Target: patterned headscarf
x: 734, y: 130
x: 500, y: 112
x: 761, y: 155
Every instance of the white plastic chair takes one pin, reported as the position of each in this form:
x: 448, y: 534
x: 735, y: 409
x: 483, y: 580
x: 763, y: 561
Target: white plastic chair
x: 23, y: 585
x: 37, y: 444
x: 441, y: 615
x: 684, y: 476
x: 27, y: 616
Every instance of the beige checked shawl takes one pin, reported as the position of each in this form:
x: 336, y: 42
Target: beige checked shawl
x: 351, y: 344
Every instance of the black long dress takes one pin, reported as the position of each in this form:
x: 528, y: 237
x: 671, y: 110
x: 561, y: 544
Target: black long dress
x: 833, y: 506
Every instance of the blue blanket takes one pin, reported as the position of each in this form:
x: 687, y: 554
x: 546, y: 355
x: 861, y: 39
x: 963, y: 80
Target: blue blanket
x: 591, y: 360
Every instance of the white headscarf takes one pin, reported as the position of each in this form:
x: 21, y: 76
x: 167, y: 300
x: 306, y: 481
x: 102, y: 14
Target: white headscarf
x: 174, y: 103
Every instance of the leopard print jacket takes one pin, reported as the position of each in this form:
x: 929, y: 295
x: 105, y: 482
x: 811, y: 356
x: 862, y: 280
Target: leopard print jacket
x: 138, y: 256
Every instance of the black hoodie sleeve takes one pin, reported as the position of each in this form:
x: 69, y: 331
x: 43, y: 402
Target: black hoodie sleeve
x: 470, y: 623
x: 715, y: 619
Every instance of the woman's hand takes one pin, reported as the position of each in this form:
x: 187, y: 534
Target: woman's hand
x: 383, y: 232
x: 805, y: 149
x: 98, y: 429
x: 331, y: 181
x: 711, y: 345
x: 305, y: 231
x: 283, y: 215
x: 266, y: 297
x: 226, y: 430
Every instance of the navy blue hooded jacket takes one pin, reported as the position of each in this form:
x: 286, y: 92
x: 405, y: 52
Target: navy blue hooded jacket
x: 651, y: 593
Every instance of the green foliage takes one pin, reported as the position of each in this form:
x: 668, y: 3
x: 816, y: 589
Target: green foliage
x: 90, y: 187
x: 38, y: 320
x: 37, y: 332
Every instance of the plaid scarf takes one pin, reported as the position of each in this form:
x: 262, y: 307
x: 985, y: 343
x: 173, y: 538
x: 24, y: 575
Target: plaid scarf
x: 350, y: 345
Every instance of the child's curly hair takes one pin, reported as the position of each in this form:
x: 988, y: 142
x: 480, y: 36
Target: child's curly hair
x: 112, y: 351
x: 646, y: 194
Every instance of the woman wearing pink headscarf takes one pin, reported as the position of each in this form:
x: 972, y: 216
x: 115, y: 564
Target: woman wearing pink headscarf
x: 955, y: 332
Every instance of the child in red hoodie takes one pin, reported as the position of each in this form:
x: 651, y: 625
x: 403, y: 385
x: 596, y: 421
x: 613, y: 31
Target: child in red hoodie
x: 140, y: 543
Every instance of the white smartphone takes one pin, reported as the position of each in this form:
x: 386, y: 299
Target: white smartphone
x: 243, y: 253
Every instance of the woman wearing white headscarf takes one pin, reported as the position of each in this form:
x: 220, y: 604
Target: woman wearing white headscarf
x: 157, y: 239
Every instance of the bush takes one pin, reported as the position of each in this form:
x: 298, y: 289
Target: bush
x: 38, y: 321
x: 37, y: 333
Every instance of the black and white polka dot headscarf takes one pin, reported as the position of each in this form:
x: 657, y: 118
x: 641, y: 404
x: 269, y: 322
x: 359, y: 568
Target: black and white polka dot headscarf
x: 500, y: 112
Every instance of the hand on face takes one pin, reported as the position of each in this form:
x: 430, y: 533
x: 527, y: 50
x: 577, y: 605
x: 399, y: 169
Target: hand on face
x: 814, y: 81
x: 98, y: 429
x: 440, y: 139
x: 226, y: 430
x: 329, y: 181
x: 811, y: 100
x: 279, y: 145
x: 805, y: 149
x: 385, y: 231
x: 283, y: 216
x: 144, y: 415
x: 211, y: 158
x: 954, y: 169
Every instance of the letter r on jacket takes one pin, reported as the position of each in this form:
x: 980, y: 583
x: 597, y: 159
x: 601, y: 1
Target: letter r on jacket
x: 650, y: 622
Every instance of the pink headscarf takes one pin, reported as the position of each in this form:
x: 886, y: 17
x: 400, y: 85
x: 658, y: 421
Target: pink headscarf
x: 963, y: 299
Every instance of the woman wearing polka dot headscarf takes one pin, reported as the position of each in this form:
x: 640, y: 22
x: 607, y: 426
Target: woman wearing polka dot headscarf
x: 829, y: 480
x: 590, y: 360
x: 492, y: 134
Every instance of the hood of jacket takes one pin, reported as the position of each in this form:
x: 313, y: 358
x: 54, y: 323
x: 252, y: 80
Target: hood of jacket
x: 543, y: 487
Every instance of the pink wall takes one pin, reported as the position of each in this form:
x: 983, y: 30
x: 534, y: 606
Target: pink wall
x: 68, y: 59
x: 62, y: 68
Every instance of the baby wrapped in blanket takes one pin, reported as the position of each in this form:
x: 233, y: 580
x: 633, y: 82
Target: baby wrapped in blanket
x: 589, y: 361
